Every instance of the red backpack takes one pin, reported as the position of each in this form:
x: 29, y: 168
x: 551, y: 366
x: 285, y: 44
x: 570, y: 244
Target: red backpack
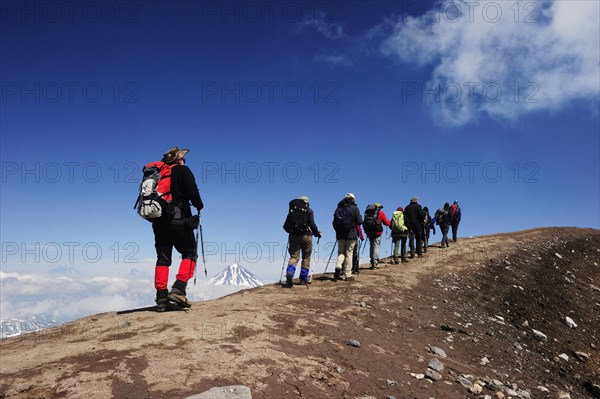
x: 454, y: 209
x: 154, y: 197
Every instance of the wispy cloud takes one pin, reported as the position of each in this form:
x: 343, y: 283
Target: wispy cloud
x: 335, y: 60
x: 319, y: 23
x: 500, y: 59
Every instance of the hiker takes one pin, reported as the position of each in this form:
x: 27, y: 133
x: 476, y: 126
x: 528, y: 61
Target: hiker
x: 300, y: 224
x: 345, y: 219
x: 443, y: 218
x: 176, y: 231
x: 413, y: 218
x: 456, y: 215
x: 373, y: 223
x: 355, y: 255
x: 399, y: 235
x: 429, y: 226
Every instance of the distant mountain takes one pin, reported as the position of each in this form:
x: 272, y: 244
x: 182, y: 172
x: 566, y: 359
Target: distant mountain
x: 138, y: 274
x: 15, y: 327
x: 236, y: 275
x: 65, y: 270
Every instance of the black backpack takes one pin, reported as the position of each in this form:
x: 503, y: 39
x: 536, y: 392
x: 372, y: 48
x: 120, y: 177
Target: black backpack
x: 371, y: 223
x: 296, y: 221
x: 342, y: 219
x: 440, y: 214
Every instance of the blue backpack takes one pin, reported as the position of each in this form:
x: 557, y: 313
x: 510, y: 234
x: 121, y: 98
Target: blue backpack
x: 342, y: 220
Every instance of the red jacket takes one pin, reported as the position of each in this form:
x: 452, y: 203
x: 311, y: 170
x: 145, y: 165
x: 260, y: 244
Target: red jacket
x: 384, y: 220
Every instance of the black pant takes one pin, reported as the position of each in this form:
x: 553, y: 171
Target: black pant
x: 444, y: 229
x: 355, y: 259
x: 412, y: 237
x: 174, y: 234
x: 454, y: 229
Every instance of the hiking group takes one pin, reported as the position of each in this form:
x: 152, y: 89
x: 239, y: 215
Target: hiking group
x: 413, y: 224
x: 169, y: 190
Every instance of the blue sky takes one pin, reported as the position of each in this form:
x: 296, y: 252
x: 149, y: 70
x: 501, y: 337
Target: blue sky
x: 496, y: 106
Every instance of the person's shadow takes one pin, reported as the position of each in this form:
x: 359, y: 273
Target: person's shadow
x: 174, y: 308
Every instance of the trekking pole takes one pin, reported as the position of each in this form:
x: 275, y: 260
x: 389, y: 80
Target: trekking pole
x: 284, y: 259
x: 199, y: 232
x: 387, y: 237
x: 316, y: 257
x: 334, y: 245
x: 358, y: 256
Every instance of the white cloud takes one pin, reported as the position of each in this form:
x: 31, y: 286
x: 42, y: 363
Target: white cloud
x: 512, y: 59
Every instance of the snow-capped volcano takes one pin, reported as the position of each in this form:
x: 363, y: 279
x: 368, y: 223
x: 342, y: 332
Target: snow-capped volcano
x: 65, y: 270
x: 236, y: 275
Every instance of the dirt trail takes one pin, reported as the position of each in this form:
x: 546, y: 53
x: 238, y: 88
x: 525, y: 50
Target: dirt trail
x: 286, y: 343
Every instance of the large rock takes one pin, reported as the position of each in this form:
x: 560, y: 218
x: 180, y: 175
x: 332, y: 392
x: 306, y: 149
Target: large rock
x: 228, y: 392
x: 436, y: 365
x: 438, y: 351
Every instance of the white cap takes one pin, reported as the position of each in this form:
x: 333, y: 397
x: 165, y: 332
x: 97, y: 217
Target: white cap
x: 350, y: 195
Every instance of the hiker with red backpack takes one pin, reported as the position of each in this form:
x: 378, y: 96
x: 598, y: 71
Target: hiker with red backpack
x: 345, y: 219
x: 373, y: 223
x: 300, y: 225
x: 165, y: 201
x: 456, y: 215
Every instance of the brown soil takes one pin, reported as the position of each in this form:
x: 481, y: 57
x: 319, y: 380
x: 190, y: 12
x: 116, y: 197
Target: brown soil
x: 482, y: 297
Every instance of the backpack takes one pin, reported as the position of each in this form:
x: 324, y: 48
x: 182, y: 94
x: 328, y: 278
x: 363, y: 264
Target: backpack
x: 371, y: 223
x: 296, y: 221
x: 154, y: 196
x: 342, y: 219
x: 454, y: 209
x: 439, y: 216
x: 398, y: 225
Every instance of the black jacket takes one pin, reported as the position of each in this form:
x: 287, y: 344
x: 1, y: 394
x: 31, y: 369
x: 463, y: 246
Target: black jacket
x: 184, y: 190
x: 447, y: 217
x: 356, y: 216
x: 413, y: 217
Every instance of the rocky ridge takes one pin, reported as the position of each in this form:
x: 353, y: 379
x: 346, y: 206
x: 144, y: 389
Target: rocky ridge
x: 513, y: 315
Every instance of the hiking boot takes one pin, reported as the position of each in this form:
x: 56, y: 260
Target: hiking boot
x: 404, y: 260
x: 163, y: 305
x: 179, y: 298
x: 304, y: 276
x: 289, y: 280
x: 350, y: 278
x: 337, y: 274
